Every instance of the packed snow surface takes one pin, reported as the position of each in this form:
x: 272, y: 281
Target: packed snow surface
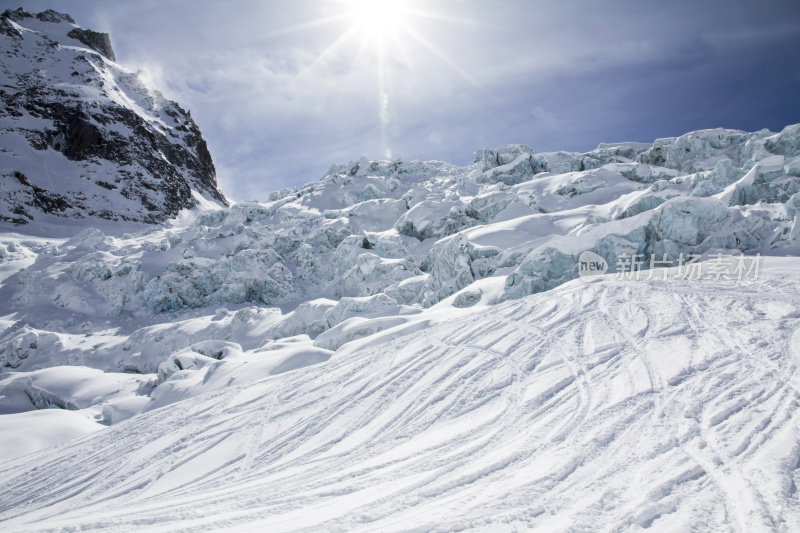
x: 618, y: 404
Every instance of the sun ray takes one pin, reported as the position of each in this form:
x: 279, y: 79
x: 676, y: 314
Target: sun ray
x: 380, y: 34
x: 438, y: 53
x: 335, y: 45
x: 310, y: 24
x: 447, y: 18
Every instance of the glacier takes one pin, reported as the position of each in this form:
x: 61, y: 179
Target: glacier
x: 406, y: 345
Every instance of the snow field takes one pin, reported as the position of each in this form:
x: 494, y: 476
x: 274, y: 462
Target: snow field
x: 665, y: 404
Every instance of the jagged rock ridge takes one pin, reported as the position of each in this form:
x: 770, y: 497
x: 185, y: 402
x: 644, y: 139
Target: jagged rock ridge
x: 84, y: 137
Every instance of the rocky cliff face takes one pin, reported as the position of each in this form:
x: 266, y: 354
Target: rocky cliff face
x: 84, y: 137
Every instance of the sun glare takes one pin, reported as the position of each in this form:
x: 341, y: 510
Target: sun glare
x: 383, y: 33
x: 378, y: 17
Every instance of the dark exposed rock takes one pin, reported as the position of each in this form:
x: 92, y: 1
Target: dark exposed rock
x: 16, y: 15
x: 76, y: 137
x: 51, y: 15
x: 36, y: 197
x: 94, y: 40
x: 7, y: 28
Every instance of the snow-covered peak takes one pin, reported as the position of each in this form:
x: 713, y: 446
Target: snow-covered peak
x: 59, y: 28
x: 83, y: 137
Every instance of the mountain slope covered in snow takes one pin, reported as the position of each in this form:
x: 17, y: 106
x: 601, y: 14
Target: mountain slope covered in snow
x: 83, y: 137
x: 616, y: 405
x: 404, y: 345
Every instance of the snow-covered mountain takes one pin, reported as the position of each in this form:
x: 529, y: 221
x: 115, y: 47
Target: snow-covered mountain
x: 404, y: 345
x: 416, y: 233
x: 82, y: 137
x: 400, y: 344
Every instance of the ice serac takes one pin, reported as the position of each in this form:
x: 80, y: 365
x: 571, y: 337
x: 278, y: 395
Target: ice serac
x: 418, y: 232
x: 85, y: 138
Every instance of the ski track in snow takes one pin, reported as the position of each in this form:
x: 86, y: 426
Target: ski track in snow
x: 614, y: 405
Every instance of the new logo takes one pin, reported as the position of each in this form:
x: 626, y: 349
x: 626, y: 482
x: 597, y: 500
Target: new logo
x: 591, y: 266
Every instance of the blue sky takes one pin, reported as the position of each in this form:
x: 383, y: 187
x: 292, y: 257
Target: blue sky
x: 279, y: 101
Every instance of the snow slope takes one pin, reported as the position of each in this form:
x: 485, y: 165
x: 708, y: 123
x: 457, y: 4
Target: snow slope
x: 228, y: 296
x: 614, y: 405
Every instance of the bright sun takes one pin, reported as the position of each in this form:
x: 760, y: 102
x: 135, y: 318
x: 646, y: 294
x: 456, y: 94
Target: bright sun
x: 384, y: 32
x: 377, y: 18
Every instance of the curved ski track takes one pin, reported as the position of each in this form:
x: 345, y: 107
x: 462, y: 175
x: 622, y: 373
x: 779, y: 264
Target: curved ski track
x: 615, y: 405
